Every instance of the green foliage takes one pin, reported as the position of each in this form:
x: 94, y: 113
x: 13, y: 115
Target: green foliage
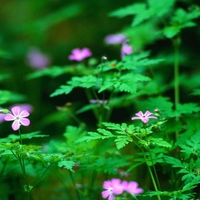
x: 142, y: 11
x: 191, y: 146
x: 180, y: 20
x: 56, y: 17
x: 121, y: 136
x: 10, y: 97
x: 66, y: 164
x: 14, y: 138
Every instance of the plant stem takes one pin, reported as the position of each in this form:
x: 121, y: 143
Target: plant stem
x: 41, y: 177
x: 23, y: 167
x: 74, y: 184
x: 152, y: 176
x: 176, y: 44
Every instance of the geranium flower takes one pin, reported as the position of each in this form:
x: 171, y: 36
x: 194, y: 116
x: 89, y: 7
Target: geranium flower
x: 126, y: 49
x: 113, y: 187
x: 115, y: 39
x: 144, y: 117
x: 100, y: 101
x: 79, y: 55
x: 37, y: 60
x: 119, y: 39
x: 18, y: 117
x: 132, y: 187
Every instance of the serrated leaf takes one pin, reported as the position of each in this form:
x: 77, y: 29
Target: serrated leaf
x: 171, y: 31
x: 159, y: 142
x: 125, y: 83
x: 63, y: 89
x: 53, y: 71
x: 186, y: 108
x: 143, y: 11
x: 66, y: 164
x: 84, y: 81
x: 122, y: 141
x: 13, y: 137
x: 95, y: 136
x: 174, y: 162
x: 192, y: 184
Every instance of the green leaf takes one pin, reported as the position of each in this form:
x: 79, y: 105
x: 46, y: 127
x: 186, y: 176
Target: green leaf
x: 159, y: 142
x: 174, y: 162
x: 10, y: 97
x: 13, y: 138
x: 180, y: 20
x: 66, y: 164
x: 143, y: 11
x: 122, y: 141
x: 53, y: 71
x: 171, y: 31
x: 63, y: 89
x: 187, y: 108
x: 191, y: 146
x: 192, y: 184
x: 84, y: 82
x: 125, y: 83
x: 101, y: 134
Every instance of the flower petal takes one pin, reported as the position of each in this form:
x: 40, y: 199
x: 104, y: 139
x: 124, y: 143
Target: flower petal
x: 105, y: 194
x: 15, y: 125
x: 147, y: 113
x: 24, y: 113
x: 133, y: 118
x: 9, y: 117
x: 139, y: 114
x: 24, y: 121
x: 16, y: 110
x: 145, y: 120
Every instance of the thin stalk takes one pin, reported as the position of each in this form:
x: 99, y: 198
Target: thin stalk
x: 4, y: 167
x: 41, y: 177
x: 74, y: 184
x: 155, y: 173
x: 152, y: 176
x: 23, y: 167
x: 176, y: 44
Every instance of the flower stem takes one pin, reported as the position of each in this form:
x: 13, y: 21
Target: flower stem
x: 151, y: 175
x: 23, y: 167
x: 74, y: 184
x: 176, y: 44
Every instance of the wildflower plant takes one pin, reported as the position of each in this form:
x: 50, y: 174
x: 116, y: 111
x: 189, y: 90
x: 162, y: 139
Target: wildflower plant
x: 130, y: 131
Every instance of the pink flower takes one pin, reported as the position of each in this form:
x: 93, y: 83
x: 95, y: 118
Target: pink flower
x: 98, y: 101
x: 113, y: 187
x: 116, y: 187
x: 115, y: 39
x: 18, y: 117
x: 144, y: 117
x: 79, y: 55
x: 126, y: 49
x: 37, y: 59
x: 27, y: 107
x: 132, y: 187
x: 119, y: 39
